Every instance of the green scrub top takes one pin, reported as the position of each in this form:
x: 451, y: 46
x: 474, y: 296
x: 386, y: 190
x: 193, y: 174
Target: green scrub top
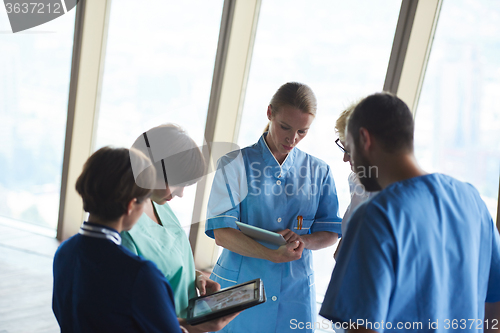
x: 168, y: 247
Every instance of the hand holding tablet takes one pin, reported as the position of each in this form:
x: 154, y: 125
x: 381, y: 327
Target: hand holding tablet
x: 290, y: 236
x: 288, y: 245
x: 261, y: 234
x: 225, y: 302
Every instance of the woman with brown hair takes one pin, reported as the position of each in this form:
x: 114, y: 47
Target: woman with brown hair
x: 275, y: 186
x: 99, y: 286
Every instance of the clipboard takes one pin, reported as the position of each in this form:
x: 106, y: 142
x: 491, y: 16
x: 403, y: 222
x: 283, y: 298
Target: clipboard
x: 261, y: 234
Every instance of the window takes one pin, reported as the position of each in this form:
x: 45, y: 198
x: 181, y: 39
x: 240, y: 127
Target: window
x: 457, y: 124
x: 34, y: 85
x: 158, y: 69
x: 340, y: 49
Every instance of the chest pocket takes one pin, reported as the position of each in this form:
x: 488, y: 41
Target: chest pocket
x: 306, y: 227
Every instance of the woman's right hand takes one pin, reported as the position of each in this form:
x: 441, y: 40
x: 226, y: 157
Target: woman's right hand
x: 289, y: 252
x: 289, y: 235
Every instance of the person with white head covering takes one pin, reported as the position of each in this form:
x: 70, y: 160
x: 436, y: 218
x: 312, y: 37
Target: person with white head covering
x: 158, y: 236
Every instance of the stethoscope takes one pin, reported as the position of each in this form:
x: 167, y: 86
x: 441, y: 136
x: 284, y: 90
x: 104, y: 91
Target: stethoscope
x: 99, y: 232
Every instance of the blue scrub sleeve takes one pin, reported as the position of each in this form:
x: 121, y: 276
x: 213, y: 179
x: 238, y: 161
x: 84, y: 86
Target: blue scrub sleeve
x: 327, y: 216
x: 229, y: 189
x: 493, y: 294
x: 153, y: 301
x: 363, y: 277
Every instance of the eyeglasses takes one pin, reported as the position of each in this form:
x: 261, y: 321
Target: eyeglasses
x: 342, y: 148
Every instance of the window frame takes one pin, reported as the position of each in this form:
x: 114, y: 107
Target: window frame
x: 405, y: 74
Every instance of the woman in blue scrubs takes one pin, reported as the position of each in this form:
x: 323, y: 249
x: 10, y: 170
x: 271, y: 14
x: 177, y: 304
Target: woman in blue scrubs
x: 275, y: 186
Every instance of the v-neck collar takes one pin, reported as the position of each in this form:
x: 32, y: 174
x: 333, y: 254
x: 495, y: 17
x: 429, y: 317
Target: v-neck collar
x: 157, y: 213
x: 271, y: 160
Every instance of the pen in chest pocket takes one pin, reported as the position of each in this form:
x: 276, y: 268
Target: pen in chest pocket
x: 299, y: 222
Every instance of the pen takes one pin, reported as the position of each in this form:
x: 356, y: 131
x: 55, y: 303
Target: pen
x: 299, y: 222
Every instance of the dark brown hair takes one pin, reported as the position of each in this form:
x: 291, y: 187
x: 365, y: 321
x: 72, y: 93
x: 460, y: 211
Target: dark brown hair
x: 294, y: 94
x: 387, y: 118
x: 107, y: 183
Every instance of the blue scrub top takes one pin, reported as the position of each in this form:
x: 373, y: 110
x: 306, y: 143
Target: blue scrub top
x: 250, y: 186
x: 424, y: 250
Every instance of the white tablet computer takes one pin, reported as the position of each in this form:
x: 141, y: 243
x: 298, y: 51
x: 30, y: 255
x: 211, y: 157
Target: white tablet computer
x: 261, y: 234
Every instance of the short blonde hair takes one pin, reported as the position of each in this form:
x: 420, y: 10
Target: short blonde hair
x: 342, y: 120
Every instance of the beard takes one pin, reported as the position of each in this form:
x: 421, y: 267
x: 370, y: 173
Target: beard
x: 366, y: 173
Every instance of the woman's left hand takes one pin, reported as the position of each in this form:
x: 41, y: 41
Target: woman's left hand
x: 205, y: 285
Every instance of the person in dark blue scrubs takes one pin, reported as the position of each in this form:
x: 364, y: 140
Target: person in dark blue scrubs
x: 100, y: 286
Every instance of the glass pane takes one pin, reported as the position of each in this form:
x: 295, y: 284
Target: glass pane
x: 35, y: 67
x: 458, y: 116
x: 341, y: 50
x: 158, y: 69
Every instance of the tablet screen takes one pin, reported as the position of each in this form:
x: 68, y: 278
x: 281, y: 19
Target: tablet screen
x: 224, y: 300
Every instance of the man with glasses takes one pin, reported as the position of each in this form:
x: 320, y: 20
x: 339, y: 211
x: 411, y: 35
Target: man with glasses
x: 424, y: 254
x: 356, y: 189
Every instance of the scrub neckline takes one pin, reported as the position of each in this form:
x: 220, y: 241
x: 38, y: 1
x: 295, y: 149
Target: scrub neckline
x: 288, y: 160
